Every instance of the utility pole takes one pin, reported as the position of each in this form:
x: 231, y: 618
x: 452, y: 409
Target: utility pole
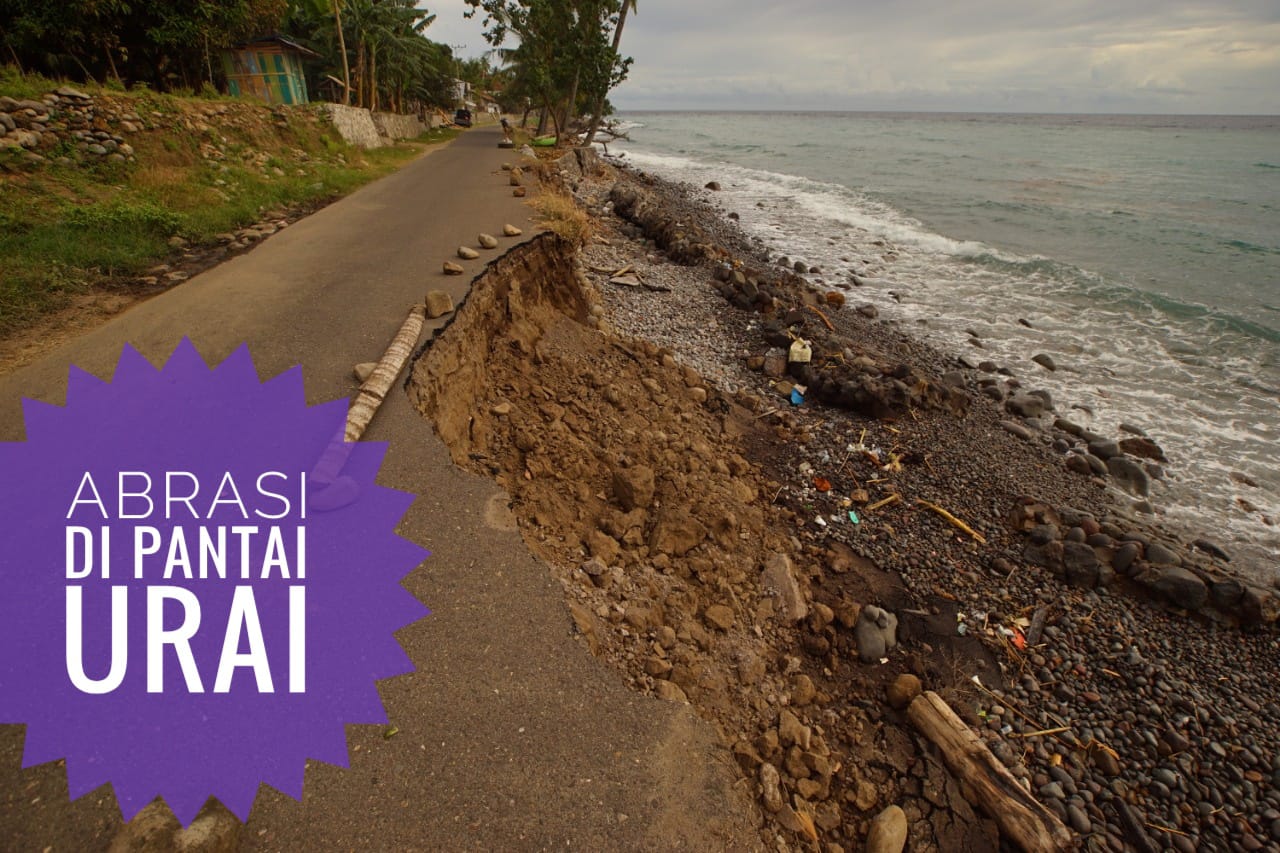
x: 457, y: 67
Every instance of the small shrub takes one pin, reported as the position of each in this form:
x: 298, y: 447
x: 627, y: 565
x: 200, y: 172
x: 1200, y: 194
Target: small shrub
x: 561, y: 214
x: 138, y: 216
x: 15, y: 84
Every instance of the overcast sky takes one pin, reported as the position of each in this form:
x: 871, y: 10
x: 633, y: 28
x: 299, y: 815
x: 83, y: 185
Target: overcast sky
x: 1148, y: 56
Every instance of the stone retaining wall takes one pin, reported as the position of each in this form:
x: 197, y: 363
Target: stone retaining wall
x: 69, y: 127
x: 65, y: 125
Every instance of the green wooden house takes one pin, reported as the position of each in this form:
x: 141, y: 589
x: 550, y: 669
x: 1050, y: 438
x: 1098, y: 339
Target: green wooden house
x: 269, y: 68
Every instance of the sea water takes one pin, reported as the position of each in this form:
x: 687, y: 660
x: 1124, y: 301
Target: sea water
x: 1144, y: 252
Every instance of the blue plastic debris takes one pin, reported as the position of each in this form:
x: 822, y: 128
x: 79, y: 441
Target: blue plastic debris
x: 853, y: 516
x: 796, y: 397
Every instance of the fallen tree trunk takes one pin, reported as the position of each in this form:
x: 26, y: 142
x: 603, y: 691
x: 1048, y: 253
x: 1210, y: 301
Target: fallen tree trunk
x: 375, y: 388
x: 369, y: 398
x: 1020, y: 817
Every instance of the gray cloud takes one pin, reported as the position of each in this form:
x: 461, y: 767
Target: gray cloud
x: 1065, y: 56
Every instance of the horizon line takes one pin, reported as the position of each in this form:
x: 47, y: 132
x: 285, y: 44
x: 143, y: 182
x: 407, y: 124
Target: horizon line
x: 935, y: 111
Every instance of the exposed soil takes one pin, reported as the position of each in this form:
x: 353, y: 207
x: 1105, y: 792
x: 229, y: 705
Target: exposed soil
x: 652, y: 496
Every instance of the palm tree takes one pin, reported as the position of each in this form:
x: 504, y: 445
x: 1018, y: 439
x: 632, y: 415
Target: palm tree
x: 342, y: 50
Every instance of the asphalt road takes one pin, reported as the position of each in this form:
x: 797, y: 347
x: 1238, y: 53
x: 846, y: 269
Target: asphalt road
x: 511, y: 736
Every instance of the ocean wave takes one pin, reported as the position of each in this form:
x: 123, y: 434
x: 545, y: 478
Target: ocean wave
x: 1251, y: 248
x: 831, y: 202
x: 1101, y: 290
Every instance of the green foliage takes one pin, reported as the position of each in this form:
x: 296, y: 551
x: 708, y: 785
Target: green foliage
x: 136, y: 216
x: 392, y: 63
x: 164, y: 45
x: 567, y: 55
x: 15, y: 84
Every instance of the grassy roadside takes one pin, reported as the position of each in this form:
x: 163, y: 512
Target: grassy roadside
x: 202, y: 168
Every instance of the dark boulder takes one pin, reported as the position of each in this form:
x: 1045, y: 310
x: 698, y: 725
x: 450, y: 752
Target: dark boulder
x: 1143, y: 448
x: 1045, y: 361
x: 1025, y: 405
x: 1129, y: 475
x: 1182, y: 587
x: 1080, y: 565
x: 1125, y: 556
x: 1161, y: 555
x: 1104, y: 448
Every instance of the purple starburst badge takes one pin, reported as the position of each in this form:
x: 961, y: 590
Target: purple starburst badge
x: 193, y: 602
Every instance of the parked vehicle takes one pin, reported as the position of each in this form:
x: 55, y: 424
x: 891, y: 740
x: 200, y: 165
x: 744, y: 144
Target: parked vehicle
x: 462, y: 118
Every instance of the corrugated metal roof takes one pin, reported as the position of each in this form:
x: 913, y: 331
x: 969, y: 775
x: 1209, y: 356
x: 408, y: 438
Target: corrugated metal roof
x: 276, y: 38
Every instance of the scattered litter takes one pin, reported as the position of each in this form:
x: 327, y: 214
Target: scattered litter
x: 853, y: 516
x: 820, y: 521
x: 796, y: 397
x: 822, y: 484
x: 954, y: 521
x: 801, y: 352
x: 892, y: 499
x: 823, y: 317
x: 390, y: 732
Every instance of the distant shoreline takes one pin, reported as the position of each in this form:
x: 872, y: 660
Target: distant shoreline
x: 1269, y: 120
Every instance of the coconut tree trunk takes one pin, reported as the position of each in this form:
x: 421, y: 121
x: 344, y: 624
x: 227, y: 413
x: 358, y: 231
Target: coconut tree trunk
x: 360, y: 72
x: 342, y: 48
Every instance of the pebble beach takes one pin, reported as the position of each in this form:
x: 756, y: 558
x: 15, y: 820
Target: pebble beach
x: 1121, y: 671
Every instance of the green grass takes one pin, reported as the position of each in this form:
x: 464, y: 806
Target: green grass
x: 25, y: 86
x: 71, y: 229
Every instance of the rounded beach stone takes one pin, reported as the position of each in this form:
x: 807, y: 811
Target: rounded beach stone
x: 902, y: 690
x: 888, y: 833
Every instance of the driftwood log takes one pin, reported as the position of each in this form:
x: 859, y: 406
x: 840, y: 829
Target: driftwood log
x: 369, y: 398
x: 375, y: 388
x: 1022, y: 819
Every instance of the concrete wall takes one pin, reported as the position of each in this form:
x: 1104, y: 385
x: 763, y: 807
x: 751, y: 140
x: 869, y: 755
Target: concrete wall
x: 395, y: 126
x: 360, y: 127
x: 354, y: 124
